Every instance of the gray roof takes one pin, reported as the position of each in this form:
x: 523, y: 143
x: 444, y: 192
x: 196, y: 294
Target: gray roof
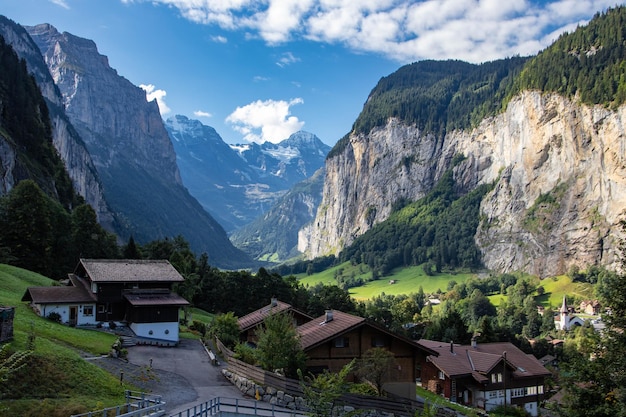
x: 75, y: 293
x: 130, y: 270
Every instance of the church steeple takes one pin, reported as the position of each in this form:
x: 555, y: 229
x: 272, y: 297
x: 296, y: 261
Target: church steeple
x: 564, y: 316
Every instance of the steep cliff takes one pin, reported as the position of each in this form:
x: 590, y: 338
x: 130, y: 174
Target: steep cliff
x: 130, y: 148
x: 66, y: 140
x: 560, y: 173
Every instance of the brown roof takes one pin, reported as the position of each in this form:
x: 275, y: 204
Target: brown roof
x: 75, y: 293
x: 143, y: 299
x: 256, y: 317
x: 130, y: 270
x: 320, y: 330
x: 465, y: 360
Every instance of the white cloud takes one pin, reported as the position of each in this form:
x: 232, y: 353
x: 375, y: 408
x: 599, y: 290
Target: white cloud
x: 61, y: 3
x: 266, y: 121
x: 159, y: 95
x: 404, y: 30
x: 200, y: 113
x: 219, y: 39
x: 287, y: 59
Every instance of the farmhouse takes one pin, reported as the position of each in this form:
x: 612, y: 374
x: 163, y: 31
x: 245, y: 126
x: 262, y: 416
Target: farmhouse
x: 484, y: 375
x: 137, y: 293
x: 250, y: 323
x: 334, y: 339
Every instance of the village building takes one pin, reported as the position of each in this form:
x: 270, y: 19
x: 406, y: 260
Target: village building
x: 565, y: 320
x: 484, y: 375
x: 334, y: 339
x: 250, y: 323
x: 113, y: 292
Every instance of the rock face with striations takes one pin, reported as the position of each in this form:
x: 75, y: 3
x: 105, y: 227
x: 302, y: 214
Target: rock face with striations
x: 130, y: 148
x: 559, y: 170
x: 66, y: 140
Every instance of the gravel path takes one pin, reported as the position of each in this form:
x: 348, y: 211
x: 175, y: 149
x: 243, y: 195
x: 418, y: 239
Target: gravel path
x: 182, y: 375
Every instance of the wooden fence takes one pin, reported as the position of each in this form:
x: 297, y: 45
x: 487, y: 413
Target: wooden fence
x: 391, y: 404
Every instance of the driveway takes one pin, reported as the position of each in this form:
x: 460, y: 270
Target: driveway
x: 182, y: 375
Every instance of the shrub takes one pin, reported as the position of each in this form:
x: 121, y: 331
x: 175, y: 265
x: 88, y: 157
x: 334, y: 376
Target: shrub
x: 245, y: 352
x: 54, y: 316
x: 198, y: 326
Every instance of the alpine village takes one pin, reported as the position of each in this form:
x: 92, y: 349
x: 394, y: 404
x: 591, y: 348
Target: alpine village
x: 460, y: 252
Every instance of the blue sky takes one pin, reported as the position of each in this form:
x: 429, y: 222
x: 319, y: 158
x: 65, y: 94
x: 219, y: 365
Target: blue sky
x: 261, y: 70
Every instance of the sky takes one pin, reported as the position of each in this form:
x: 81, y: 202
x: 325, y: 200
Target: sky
x: 259, y: 71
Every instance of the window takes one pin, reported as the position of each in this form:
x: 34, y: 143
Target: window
x: 517, y: 392
x: 493, y: 394
x: 531, y: 391
x: 342, y: 342
x: 442, y: 375
x: 88, y: 311
x: 378, y: 341
x: 496, y: 378
x: 101, y: 308
x: 540, y: 389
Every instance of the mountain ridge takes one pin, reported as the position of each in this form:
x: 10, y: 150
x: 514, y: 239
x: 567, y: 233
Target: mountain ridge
x: 237, y: 183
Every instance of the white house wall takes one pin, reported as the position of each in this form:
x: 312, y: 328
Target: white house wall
x: 162, y: 331
x: 64, y: 311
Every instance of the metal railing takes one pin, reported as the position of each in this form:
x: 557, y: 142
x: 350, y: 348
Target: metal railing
x: 138, y: 404
x: 232, y: 406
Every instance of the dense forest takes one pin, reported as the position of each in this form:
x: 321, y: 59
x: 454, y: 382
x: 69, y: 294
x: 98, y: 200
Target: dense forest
x: 589, y: 63
x: 441, y: 96
x: 24, y: 115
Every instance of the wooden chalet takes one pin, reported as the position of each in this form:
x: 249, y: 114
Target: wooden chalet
x: 484, y: 375
x: 105, y: 291
x: 334, y: 339
x: 250, y: 323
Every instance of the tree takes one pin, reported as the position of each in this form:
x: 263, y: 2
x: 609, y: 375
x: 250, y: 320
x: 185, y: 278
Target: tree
x: 377, y: 366
x: 596, y: 381
x: 278, y: 345
x: 226, y: 328
x: 322, y: 392
x: 26, y: 228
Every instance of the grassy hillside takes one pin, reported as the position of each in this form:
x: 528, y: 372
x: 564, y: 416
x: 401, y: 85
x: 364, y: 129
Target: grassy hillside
x: 57, y: 381
x: 406, y: 280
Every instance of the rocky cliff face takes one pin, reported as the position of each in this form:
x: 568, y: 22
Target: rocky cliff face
x: 66, y: 140
x: 131, y: 150
x: 560, y: 183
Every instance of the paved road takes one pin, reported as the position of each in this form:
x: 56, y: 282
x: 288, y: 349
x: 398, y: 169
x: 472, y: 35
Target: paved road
x: 183, y: 375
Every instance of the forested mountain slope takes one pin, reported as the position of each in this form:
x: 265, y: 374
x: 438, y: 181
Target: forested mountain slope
x: 554, y: 156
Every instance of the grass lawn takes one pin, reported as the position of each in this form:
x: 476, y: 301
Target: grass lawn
x: 57, y: 381
x: 406, y: 280
x: 556, y: 287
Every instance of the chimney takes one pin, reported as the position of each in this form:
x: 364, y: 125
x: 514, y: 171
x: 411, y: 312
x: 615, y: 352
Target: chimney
x: 451, y: 346
x: 329, y: 316
x: 274, y: 302
x: 474, y: 342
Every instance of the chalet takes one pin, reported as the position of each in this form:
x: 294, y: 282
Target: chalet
x: 334, y: 339
x: 102, y: 291
x: 250, y: 323
x: 484, y: 375
x: 591, y: 307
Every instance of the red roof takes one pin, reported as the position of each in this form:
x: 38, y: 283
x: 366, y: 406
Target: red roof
x: 256, y: 317
x: 320, y: 330
x: 464, y: 360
